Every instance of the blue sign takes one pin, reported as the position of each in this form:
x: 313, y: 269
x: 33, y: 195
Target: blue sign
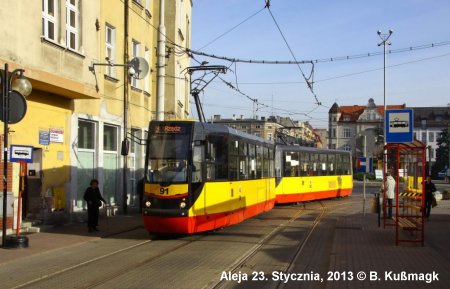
x: 364, y: 165
x: 21, y: 154
x: 399, y: 125
x: 44, y: 137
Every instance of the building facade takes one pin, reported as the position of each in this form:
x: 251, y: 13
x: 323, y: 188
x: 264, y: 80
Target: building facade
x: 357, y: 128
x: 429, y: 122
x: 79, y: 113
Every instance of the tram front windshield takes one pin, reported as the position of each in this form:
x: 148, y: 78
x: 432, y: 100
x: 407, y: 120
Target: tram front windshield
x: 168, y: 157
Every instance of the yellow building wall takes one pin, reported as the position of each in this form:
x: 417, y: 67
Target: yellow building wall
x: 44, y: 112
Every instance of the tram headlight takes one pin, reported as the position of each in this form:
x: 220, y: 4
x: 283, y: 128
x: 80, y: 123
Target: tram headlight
x: 148, y: 204
x: 182, y: 205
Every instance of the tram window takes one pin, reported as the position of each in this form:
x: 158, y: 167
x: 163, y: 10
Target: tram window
x: 217, y: 158
x: 252, y: 161
x: 259, y: 161
x: 322, y: 170
x: 271, y: 163
x: 331, y: 164
x: 304, y: 164
x: 266, y: 169
x: 243, y: 161
x: 234, y: 147
x: 314, y: 165
x: 197, y: 158
x: 233, y: 168
x: 295, y: 164
x: 338, y: 165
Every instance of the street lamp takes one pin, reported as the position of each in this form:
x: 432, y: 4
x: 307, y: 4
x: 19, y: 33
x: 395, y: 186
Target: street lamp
x: 384, y: 37
x: 20, y: 87
x: 384, y: 40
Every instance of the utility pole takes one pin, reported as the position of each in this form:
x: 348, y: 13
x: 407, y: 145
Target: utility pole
x: 384, y: 38
x: 125, y: 143
x: 161, y: 63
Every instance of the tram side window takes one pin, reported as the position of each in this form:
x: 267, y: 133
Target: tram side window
x: 271, y: 163
x: 197, y: 164
x: 322, y: 170
x: 331, y: 164
x: 252, y: 160
x: 217, y: 158
x: 266, y: 172
x: 291, y: 164
x: 243, y: 161
x: 347, y: 165
x: 304, y: 164
x: 314, y: 165
x: 233, y: 165
x: 259, y: 161
x: 339, y: 165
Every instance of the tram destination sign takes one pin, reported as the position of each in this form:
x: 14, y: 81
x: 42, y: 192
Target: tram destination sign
x: 170, y: 128
x: 399, y: 125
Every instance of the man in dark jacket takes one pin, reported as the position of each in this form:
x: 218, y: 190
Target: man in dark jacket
x: 94, y: 200
x: 430, y: 188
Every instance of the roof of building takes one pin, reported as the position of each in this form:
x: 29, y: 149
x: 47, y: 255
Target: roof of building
x: 352, y: 113
x: 334, y: 108
x: 434, y: 116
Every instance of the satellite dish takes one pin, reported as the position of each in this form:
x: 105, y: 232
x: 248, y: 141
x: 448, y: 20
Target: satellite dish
x: 17, y: 107
x: 140, y: 66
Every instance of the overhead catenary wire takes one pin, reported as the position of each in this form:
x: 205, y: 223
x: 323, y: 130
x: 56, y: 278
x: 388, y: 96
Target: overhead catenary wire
x: 231, y: 29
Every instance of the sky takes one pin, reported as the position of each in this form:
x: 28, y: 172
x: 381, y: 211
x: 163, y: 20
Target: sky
x: 320, y: 29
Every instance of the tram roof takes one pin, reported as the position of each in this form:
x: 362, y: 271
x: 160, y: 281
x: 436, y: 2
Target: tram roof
x: 220, y: 128
x: 310, y: 149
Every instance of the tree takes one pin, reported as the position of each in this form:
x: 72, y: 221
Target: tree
x: 441, y: 153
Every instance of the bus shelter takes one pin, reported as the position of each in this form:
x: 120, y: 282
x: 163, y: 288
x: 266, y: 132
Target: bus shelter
x: 405, y: 162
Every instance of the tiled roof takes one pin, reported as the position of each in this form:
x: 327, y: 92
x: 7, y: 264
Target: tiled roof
x: 354, y: 111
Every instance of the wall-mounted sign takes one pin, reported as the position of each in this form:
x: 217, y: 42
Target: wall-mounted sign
x: 21, y: 153
x: 44, y: 137
x: 56, y: 135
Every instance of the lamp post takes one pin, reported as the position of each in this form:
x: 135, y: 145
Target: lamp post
x: 22, y: 87
x: 384, y: 37
x: 384, y: 40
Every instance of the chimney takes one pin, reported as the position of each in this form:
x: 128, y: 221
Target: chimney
x: 242, y: 116
x: 234, y: 117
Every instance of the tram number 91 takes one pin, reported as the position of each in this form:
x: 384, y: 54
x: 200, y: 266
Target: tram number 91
x: 164, y: 191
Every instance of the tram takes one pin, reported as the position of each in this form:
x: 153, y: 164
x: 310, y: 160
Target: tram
x: 202, y: 176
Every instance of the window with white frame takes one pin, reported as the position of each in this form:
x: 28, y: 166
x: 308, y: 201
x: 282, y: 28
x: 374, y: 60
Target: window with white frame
x: 431, y: 153
x: 49, y: 20
x: 424, y: 137
x: 136, y: 47
x: 110, y: 138
x: 110, y: 46
x: 86, y: 134
x: 347, y: 147
x: 269, y: 136
x: 72, y: 26
x: 431, y: 136
x: 347, y: 133
x: 147, y: 77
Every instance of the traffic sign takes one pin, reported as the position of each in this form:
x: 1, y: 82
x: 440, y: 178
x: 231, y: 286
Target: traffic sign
x: 399, y: 125
x: 21, y: 154
x: 364, y: 165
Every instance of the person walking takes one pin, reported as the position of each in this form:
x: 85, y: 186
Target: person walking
x: 430, y: 188
x: 390, y: 193
x: 94, y: 200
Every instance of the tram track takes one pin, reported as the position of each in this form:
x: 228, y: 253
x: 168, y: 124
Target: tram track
x: 239, y: 263
x: 91, y: 261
